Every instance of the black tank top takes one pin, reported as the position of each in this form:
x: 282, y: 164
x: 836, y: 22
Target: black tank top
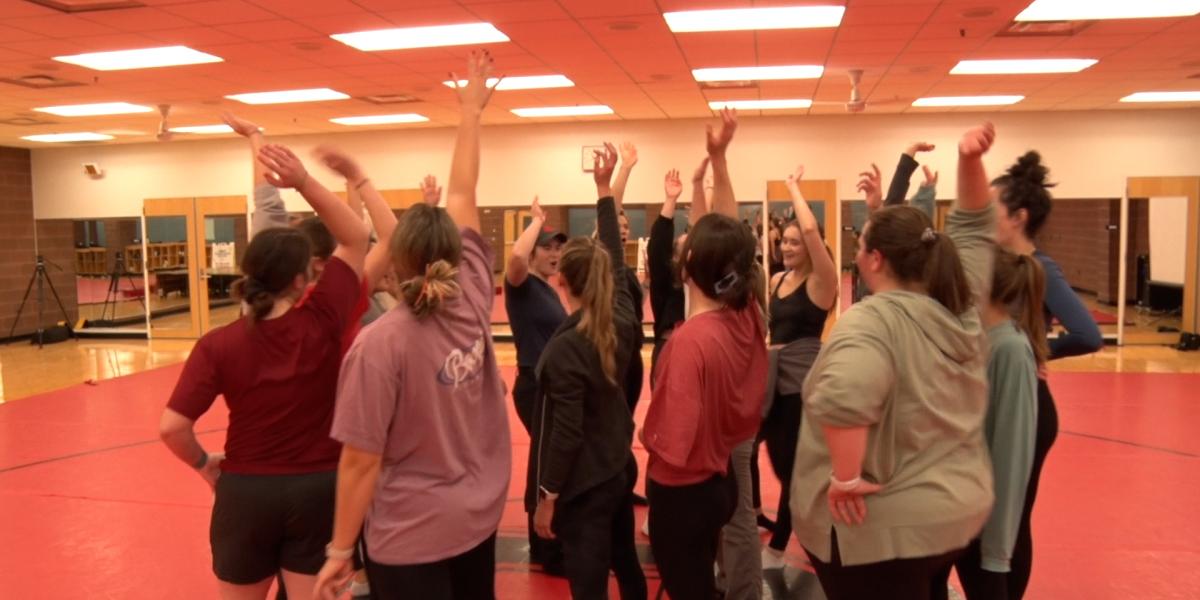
x: 795, y: 316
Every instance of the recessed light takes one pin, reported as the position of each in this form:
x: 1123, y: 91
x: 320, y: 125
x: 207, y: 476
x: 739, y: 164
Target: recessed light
x: 82, y: 136
x: 144, y: 58
x: 422, y: 37
x: 203, y: 129
x: 532, y: 82
x: 563, y: 111
x: 759, y: 73
x: 1163, y: 97
x: 967, y: 101
x: 761, y: 104
x: 742, y: 19
x: 1021, y: 66
x: 1074, y: 10
x: 286, y: 96
x: 92, y: 110
x: 381, y: 119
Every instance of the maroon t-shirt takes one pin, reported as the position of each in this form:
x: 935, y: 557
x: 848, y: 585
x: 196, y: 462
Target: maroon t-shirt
x: 279, y: 379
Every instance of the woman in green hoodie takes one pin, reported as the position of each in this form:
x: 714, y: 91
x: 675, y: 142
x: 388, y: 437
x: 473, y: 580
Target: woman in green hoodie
x: 892, y: 479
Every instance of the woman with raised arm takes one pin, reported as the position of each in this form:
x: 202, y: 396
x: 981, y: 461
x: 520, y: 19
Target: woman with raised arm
x: 637, y: 371
x: 583, y: 465
x: 800, y: 301
x: 1023, y: 203
x: 892, y: 479
x: 425, y: 464
x: 708, y: 393
x: 1017, y: 337
x: 277, y: 368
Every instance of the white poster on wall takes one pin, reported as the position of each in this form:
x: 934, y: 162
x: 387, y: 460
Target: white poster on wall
x: 223, y: 257
x: 1168, y: 239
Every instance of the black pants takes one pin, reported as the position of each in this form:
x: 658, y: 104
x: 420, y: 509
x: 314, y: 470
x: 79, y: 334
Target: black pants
x: 596, y: 531
x: 984, y: 585
x: 468, y: 576
x: 685, y: 527
x: 633, y: 380
x: 781, y: 432
x: 542, y: 551
x: 922, y: 578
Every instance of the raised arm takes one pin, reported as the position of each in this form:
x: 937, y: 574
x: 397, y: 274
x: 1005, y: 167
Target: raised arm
x: 431, y: 192
x: 971, y: 226
x: 723, y: 200
x: 352, y: 235
x: 269, y: 209
x: 518, y: 262
x: 629, y: 158
x: 607, y: 227
x: 870, y: 183
x: 464, y: 169
x: 672, y: 189
x: 824, y: 273
x: 973, y: 188
x: 699, y: 206
x: 378, y: 259
x: 926, y: 195
x: 898, y: 188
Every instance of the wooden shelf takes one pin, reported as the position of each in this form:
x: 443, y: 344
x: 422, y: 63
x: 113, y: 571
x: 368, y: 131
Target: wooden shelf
x: 91, y: 261
x: 133, y: 258
x: 166, y: 255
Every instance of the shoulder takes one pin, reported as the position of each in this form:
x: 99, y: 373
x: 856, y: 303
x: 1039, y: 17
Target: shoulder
x: 1049, y: 265
x: 1010, y: 343
x: 777, y: 278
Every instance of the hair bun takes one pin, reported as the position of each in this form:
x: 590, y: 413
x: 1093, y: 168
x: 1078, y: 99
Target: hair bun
x: 1029, y: 168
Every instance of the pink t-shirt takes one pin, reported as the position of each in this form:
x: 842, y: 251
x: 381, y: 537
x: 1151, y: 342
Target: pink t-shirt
x: 427, y: 396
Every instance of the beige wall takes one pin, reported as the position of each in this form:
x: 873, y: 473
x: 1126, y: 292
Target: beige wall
x: 1090, y: 154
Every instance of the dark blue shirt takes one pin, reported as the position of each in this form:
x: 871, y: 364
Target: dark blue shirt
x: 534, y: 313
x: 1062, y: 303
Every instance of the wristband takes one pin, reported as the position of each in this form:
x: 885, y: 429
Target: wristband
x: 334, y: 553
x: 844, y: 486
x: 199, y: 464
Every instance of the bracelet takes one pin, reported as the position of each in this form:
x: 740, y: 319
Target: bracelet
x: 199, y: 464
x: 844, y: 486
x: 365, y: 181
x: 334, y: 553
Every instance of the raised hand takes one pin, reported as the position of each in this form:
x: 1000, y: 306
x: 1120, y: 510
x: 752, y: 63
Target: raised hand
x: 977, y: 140
x: 870, y: 184
x: 698, y: 176
x: 629, y: 155
x: 719, y: 140
x: 431, y: 193
x: 284, y: 169
x: 604, y: 163
x: 475, y: 94
x: 931, y: 177
x: 536, y: 210
x: 240, y: 126
x: 793, y: 179
x: 339, y: 162
x: 672, y: 186
x: 919, y: 147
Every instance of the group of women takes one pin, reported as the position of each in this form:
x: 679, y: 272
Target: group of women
x: 909, y: 443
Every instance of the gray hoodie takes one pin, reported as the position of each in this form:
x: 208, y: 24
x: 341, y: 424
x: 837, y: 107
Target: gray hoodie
x: 900, y: 364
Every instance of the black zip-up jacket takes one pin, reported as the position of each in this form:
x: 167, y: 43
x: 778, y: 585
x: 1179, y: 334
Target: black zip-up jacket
x: 582, y: 428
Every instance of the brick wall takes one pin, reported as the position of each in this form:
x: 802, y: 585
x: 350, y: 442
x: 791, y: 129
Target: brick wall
x: 1139, y: 243
x: 16, y: 229
x: 1078, y: 237
x: 56, y: 242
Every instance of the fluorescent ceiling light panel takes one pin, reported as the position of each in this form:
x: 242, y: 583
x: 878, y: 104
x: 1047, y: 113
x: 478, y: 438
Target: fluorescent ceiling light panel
x: 1088, y: 10
x: 761, y: 104
x: 422, y: 37
x: 286, y: 96
x: 82, y: 136
x: 92, y: 110
x: 204, y: 129
x: 144, y: 58
x: 759, y: 73
x: 532, y: 82
x: 563, y: 111
x: 1163, y: 97
x: 381, y: 119
x: 967, y: 100
x: 1021, y: 66
x: 743, y: 19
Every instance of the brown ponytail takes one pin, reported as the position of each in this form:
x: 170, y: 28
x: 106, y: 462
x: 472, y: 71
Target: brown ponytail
x: 587, y: 270
x: 719, y: 257
x: 272, y: 261
x: 904, y: 236
x: 426, y: 249
x: 1019, y: 283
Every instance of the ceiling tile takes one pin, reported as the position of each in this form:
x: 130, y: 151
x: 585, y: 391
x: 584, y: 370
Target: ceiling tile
x: 219, y: 12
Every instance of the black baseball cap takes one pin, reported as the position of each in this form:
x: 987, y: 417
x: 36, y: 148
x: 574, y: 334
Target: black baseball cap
x: 547, y: 235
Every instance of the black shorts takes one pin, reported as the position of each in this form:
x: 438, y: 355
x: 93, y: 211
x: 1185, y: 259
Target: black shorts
x: 264, y: 523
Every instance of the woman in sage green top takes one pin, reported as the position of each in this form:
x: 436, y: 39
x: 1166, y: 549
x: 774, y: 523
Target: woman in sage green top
x: 892, y: 478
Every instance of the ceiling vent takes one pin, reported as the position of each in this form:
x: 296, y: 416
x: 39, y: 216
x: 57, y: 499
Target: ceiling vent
x: 728, y: 85
x: 1044, y: 28
x: 390, y: 99
x: 84, y: 6
x: 39, y: 82
x: 24, y: 121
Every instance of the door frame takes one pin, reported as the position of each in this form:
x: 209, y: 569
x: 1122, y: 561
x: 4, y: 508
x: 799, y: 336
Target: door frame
x: 211, y: 206
x: 172, y: 207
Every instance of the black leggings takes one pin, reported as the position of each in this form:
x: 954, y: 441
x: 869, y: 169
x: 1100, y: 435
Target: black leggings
x: 984, y: 585
x: 781, y: 432
x: 596, y: 531
x: 923, y: 578
x: 685, y: 527
x: 468, y: 576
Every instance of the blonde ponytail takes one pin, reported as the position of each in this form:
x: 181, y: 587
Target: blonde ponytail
x: 425, y: 294
x: 587, y: 269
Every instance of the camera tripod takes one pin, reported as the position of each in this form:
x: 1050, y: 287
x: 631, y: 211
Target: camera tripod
x: 113, y: 295
x: 41, y: 278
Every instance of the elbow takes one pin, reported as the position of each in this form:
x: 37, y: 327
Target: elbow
x: 1093, y: 341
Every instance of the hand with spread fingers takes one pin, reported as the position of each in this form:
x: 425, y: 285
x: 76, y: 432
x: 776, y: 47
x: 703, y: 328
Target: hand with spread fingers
x: 339, y: 162
x: 284, y: 169
x: 870, y: 183
x: 475, y: 95
x: 431, y: 192
x: 931, y: 177
x: 718, y: 140
x: 672, y: 186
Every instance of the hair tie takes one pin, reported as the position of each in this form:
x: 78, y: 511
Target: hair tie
x: 725, y: 283
x: 929, y: 236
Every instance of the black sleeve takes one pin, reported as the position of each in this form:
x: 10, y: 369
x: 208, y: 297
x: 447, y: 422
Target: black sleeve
x: 898, y: 188
x: 658, y: 254
x: 566, y: 386
x: 609, y: 231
